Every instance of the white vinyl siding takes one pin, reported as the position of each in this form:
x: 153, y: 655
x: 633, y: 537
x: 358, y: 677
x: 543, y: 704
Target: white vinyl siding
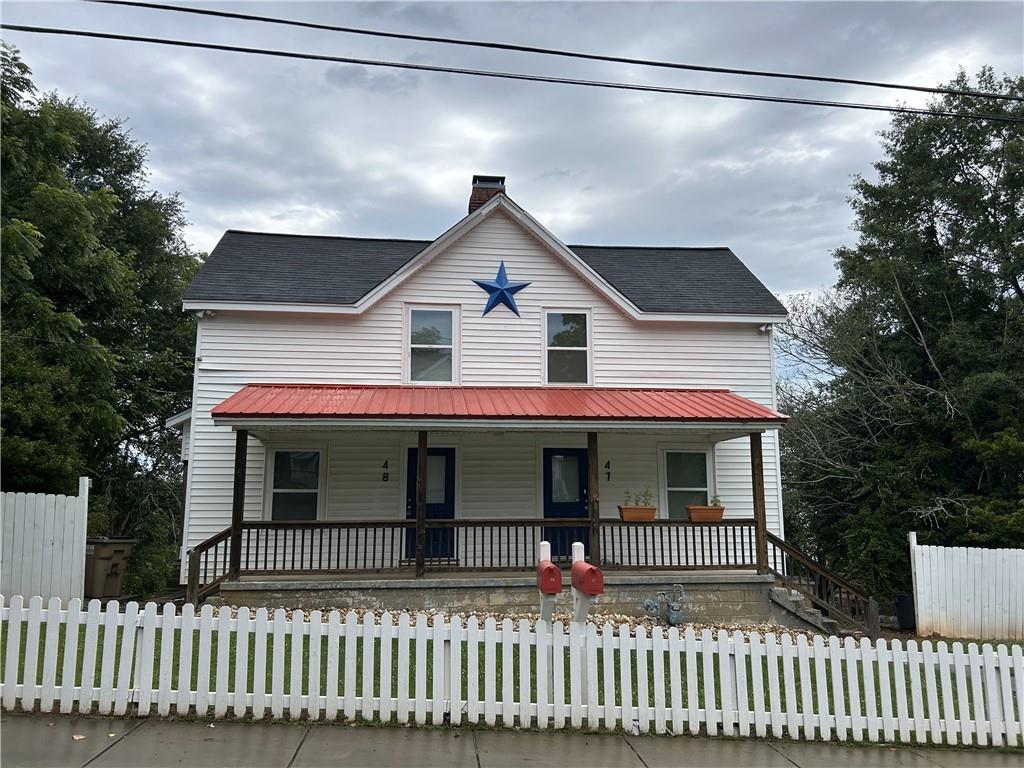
x: 500, y: 349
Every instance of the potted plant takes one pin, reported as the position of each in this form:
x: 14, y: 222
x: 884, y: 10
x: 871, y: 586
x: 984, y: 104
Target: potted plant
x: 637, y: 508
x: 706, y: 513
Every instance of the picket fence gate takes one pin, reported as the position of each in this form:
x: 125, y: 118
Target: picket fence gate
x: 968, y: 591
x: 409, y: 669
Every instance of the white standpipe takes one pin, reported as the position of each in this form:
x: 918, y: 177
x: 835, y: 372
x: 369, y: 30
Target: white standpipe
x: 580, y: 602
x: 544, y: 551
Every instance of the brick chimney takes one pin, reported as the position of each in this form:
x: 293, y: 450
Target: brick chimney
x: 484, y: 188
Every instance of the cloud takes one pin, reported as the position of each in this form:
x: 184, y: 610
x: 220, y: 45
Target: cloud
x: 360, y: 77
x: 261, y: 143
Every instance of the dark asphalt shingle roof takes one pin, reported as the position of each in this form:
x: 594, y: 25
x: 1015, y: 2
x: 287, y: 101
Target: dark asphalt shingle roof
x: 310, y: 269
x: 692, y: 280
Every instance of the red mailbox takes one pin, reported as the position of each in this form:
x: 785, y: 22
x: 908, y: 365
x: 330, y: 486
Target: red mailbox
x: 549, y: 578
x: 587, y: 578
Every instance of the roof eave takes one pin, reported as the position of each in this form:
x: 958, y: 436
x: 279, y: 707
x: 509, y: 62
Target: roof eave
x: 179, y: 419
x: 238, y: 421
x: 201, y: 305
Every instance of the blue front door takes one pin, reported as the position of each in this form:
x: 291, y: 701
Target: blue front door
x: 565, y: 496
x: 440, y: 502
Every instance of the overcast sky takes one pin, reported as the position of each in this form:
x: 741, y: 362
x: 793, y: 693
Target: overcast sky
x: 286, y: 146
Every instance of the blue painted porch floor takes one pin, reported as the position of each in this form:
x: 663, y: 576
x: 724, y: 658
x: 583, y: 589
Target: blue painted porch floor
x: 36, y: 741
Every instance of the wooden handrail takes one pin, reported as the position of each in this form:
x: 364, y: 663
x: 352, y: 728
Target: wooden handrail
x: 317, y: 524
x: 817, y: 567
x: 661, y: 522
x: 561, y: 522
x: 196, y: 588
x: 461, y: 522
x: 856, y: 596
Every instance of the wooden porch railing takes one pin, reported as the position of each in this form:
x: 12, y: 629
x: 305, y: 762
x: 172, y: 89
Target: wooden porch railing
x: 460, y: 545
x: 678, y: 545
x: 827, y: 590
x: 390, y: 545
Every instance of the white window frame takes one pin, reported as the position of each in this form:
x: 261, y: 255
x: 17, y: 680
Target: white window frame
x: 407, y: 345
x: 663, y: 486
x: 268, y: 478
x: 545, y: 347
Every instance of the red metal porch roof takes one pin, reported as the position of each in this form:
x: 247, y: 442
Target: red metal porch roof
x: 330, y: 401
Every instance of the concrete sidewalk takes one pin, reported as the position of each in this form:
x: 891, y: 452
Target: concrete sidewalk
x: 37, y: 741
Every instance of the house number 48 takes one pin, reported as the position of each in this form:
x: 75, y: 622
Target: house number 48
x: 384, y: 476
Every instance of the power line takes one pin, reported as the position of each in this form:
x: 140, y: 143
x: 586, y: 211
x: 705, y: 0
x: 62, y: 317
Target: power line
x: 502, y: 75
x: 556, y: 51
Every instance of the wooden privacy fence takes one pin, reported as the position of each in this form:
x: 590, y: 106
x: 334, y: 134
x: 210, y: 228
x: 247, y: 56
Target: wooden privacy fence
x: 410, y: 669
x: 968, y: 591
x: 43, y: 543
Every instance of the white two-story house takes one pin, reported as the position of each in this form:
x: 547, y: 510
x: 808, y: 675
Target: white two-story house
x: 400, y: 408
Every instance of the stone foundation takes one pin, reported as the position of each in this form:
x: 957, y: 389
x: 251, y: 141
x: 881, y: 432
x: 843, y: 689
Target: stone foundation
x: 708, y: 596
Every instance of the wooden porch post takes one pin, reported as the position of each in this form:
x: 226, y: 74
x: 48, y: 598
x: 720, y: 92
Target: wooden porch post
x: 593, y: 478
x: 760, y: 521
x: 421, y: 504
x: 238, y: 502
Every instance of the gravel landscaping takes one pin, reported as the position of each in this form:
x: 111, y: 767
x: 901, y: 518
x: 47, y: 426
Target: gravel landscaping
x: 597, y: 617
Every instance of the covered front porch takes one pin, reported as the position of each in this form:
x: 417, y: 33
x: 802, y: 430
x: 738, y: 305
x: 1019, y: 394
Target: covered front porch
x: 445, y: 484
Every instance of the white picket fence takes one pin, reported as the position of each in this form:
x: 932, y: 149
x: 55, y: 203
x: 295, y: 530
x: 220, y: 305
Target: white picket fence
x: 43, y: 545
x: 412, y: 670
x: 968, y: 591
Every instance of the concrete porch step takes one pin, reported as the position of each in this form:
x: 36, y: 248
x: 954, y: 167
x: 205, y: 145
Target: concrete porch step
x: 796, y: 604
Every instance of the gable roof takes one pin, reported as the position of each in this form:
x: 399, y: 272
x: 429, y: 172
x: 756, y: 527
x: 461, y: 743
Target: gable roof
x: 266, y: 268
x: 300, y: 269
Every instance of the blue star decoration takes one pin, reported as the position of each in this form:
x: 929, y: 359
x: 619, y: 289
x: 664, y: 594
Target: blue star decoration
x: 501, y: 291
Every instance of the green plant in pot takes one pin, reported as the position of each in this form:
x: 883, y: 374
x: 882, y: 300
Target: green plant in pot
x: 638, y: 508
x: 711, y: 512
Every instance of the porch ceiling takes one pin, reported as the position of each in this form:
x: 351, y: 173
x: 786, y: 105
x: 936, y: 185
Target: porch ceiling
x: 322, y: 406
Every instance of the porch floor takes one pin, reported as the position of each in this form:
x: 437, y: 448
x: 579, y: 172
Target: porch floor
x: 482, y: 579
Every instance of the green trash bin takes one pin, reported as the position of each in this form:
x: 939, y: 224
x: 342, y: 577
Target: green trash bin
x: 105, y: 564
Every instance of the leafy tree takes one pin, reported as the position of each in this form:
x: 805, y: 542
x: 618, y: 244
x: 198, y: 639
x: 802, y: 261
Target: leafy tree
x: 908, y: 398
x: 96, y: 350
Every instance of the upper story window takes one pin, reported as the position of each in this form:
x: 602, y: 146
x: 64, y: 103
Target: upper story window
x: 567, y: 347
x: 295, y: 485
x: 432, y: 346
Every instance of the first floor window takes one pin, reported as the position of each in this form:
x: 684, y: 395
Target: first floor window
x: 686, y: 480
x: 567, y: 348
x: 295, y: 485
x: 431, y: 345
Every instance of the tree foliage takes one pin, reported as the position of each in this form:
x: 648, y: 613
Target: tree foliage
x: 908, y: 390
x: 96, y: 350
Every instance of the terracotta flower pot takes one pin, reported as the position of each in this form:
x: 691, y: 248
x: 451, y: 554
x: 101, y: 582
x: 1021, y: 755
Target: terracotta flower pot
x: 636, y: 514
x: 700, y: 513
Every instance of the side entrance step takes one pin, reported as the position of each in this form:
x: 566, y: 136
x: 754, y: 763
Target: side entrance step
x: 809, y: 589
x: 799, y: 607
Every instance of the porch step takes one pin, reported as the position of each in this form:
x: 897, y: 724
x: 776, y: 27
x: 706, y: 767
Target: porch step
x: 799, y: 606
